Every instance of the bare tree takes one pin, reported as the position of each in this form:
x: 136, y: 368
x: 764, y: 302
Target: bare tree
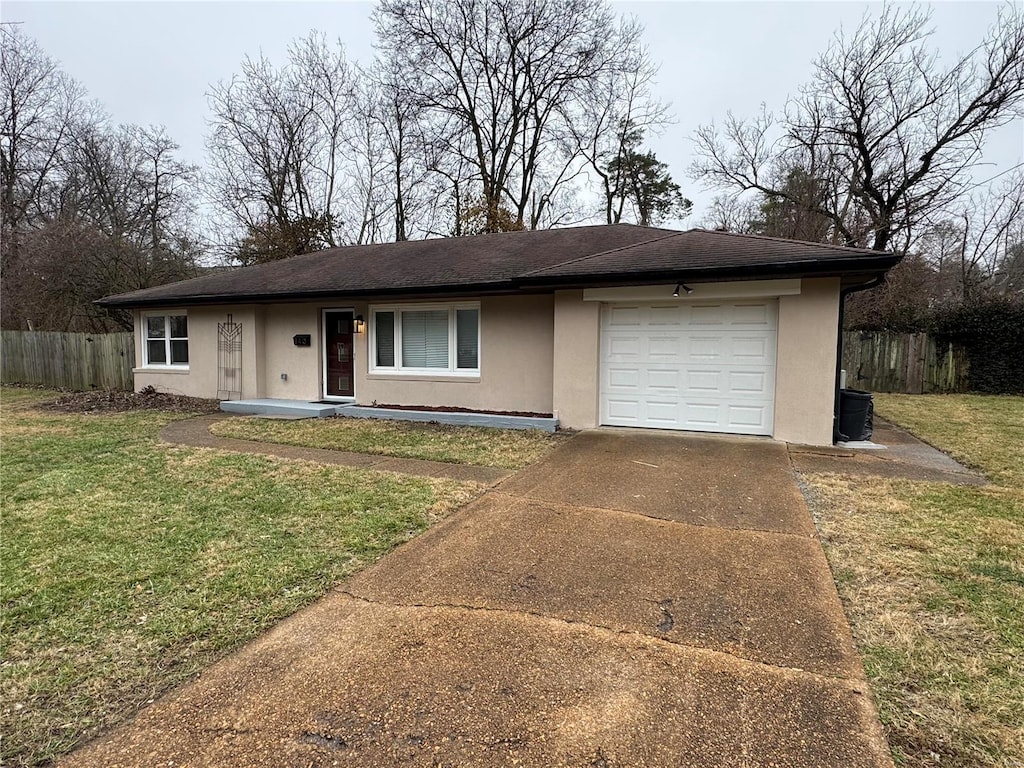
x: 988, y: 225
x: 276, y: 149
x: 40, y: 102
x: 887, y: 134
x: 510, y: 74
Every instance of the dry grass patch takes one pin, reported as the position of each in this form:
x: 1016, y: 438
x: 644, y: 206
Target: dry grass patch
x: 932, y: 578
x: 128, y: 565
x: 480, y: 446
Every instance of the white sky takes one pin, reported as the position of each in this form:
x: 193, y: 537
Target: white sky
x: 153, y: 62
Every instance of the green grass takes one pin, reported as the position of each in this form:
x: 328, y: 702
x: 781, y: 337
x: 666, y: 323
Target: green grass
x: 983, y: 431
x: 128, y: 565
x: 482, y: 446
x: 932, y: 577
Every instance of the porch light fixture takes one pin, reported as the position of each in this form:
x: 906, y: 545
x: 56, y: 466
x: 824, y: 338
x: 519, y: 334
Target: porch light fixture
x: 684, y: 287
x: 358, y: 324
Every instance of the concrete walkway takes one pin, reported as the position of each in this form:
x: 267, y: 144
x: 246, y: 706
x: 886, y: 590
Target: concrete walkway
x: 904, y: 456
x: 635, y: 599
x: 196, y: 433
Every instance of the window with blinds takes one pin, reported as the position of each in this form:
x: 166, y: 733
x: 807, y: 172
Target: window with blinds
x: 435, y: 338
x: 384, y: 333
x: 425, y: 339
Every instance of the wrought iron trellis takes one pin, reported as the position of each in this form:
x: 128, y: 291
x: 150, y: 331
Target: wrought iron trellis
x: 229, y: 360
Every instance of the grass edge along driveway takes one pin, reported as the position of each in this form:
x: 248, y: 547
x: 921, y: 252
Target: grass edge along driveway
x: 129, y: 565
x: 932, y: 579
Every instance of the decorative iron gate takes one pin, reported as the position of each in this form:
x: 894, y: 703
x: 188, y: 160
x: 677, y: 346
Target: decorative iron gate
x: 229, y: 360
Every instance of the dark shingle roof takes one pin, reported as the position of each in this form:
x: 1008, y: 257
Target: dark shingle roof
x: 509, y: 262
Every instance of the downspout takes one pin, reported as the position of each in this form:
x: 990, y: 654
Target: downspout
x: 843, y: 293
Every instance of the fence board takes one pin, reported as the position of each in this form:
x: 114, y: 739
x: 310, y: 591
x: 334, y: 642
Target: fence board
x: 79, y: 361
x: 913, y: 363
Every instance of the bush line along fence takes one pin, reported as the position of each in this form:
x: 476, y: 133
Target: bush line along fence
x: 79, y: 361
x: 913, y: 363
x: 877, y: 362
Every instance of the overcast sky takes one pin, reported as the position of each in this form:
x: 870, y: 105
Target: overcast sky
x: 153, y: 62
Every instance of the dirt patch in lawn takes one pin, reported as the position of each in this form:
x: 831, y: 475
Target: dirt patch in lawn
x: 115, y: 401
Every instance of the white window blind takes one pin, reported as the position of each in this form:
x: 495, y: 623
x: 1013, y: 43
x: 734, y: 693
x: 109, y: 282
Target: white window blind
x: 384, y: 335
x: 425, y: 339
x: 467, y: 323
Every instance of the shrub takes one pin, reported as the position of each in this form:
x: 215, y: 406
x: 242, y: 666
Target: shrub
x: 992, y: 334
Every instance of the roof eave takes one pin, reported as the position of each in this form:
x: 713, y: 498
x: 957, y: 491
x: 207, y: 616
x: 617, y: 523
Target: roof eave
x: 128, y: 302
x: 843, y: 268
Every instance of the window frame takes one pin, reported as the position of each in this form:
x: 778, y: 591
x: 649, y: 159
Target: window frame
x: 398, y: 369
x: 167, y: 339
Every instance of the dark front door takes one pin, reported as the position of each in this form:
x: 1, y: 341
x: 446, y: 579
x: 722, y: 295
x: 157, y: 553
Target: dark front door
x: 340, y: 366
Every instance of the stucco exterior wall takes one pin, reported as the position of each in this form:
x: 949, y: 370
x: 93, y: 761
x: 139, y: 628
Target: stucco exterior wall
x: 576, y: 358
x: 200, y: 377
x: 303, y: 366
x: 516, y: 337
x: 538, y: 354
x: 806, y: 363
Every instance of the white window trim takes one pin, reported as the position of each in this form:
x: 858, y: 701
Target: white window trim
x: 144, y: 333
x: 398, y: 369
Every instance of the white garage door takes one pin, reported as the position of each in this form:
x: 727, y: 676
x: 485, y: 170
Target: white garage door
x: 707, y: 366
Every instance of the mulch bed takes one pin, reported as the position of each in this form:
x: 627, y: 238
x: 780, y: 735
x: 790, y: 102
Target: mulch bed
x: 112, y: 401
x: 456, y: 409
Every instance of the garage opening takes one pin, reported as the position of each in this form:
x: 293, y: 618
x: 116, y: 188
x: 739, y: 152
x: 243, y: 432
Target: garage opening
x: 707, y: 366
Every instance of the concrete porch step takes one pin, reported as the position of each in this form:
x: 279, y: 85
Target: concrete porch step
x: 299, y: 409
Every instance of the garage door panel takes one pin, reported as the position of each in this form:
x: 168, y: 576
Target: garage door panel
x: 619, y: 317
x: 705, y: 416
x: 624, y: 348
x: 759, y: 315
x: 758, y: 349
x: 744, y: 417
x: 748, y: 383
x: 704, y: 367
x: 707, y: 314
x: 662, y: 413
x: 665, y: 316
x: 624, y: 378
x: 661, y: 348
x: 664, y: 379
x: 705, y: 381
x: 706, y: 347
x: 625, y: 411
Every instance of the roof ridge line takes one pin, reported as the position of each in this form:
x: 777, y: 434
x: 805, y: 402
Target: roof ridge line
x: 601, y: 253
x: 773, y: 239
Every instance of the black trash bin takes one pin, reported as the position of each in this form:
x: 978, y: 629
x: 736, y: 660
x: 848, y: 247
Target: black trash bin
x: 856, y: 413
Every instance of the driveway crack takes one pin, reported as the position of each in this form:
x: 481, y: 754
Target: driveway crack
x: 602, y: 628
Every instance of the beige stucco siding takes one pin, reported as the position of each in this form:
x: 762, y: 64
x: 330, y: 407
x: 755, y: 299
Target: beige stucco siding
x: 200, y: 377
x: 516, y: 335
x: 538, y: 353
x: 576, y: 357
x: 806, y: 363
x: 303, y: 366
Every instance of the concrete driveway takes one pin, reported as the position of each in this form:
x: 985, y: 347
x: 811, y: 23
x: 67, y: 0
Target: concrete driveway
x: 635, y: 599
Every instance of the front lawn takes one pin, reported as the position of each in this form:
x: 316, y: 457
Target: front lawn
x: 129, y: 565
x: 482, y: 446
x: 932, y: 577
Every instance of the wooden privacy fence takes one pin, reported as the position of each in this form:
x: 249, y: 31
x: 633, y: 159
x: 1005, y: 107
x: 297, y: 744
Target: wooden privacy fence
x: 81, y: 361
x: 913, y: 363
